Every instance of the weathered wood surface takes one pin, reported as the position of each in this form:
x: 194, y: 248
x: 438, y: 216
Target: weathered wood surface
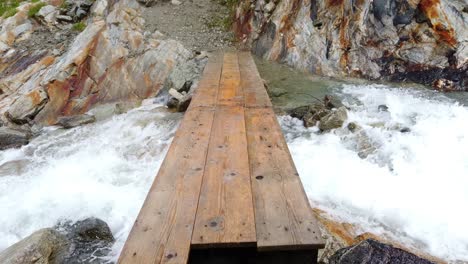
x: 228, y: 179
x: 163, y: 229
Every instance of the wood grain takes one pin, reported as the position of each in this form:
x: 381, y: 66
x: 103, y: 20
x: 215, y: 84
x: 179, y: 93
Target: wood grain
x: 225, y: 214
x: 163, y: 229
x: 255, y: 94
x: 230, y: 91
x: 207, y: 90
x: 283, y: 215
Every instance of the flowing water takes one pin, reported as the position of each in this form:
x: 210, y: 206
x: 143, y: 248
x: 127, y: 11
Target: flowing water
x: 412, y: 186
x: 102, y: 170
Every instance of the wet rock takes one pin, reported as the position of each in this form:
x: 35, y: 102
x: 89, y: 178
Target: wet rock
x: 382, y: 108
x: 27, y: 106
x: 332, y: 102
x: 405, y: 130
x: 364, y: 145
x: 333, y: 120
x: 74, y: 121
x: 13, y: 167
x: 372, y: 251
x: 309, y: 114
x: 444, y: 85
x: 179, y: 102
x: 353, y: 127
x: 89, y: 239
x: 315, y: 114
x: 40, y: 247
x: 13, y: 138
x: 67, y: 243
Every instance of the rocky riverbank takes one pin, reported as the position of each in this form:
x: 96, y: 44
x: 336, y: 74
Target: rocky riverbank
x: 423, y: 41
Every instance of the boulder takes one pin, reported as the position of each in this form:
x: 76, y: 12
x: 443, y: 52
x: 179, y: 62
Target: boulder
x: 89, y: 239
x: 382, y: 108
x: 372, y: 251
x: 39, y: 248
x: 27, y: 106
x: 353, y: 127
x: 334, y: 119
x: 332, y: 102
x: 74, y: 121
x: 13, y: 138
x: 309, y: 114
x: 67, y: 243
x: 48, y: 14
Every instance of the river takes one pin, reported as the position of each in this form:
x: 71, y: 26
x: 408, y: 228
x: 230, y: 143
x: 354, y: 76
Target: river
x: 413, y: 186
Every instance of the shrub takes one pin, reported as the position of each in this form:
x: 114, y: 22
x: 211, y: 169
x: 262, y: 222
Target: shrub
x: 35, y: 8
x: 80, y: 26
x: 8, y: 6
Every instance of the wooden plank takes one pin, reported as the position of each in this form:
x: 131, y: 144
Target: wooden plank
x: 225, y: 215
x: 254, y: 90
x: 163, y: 229
x: 208, y: 86
x: 283, y: 215
x: 230, y: 91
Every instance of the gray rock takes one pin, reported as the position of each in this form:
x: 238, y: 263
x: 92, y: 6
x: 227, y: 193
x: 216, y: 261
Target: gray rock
x: 13, y: 138
x: 89, y: 239
x: 332, y: 102
x: 333, y: 120
x: 74, y: 121
x: 26, y: 107
x: 372, y: 251
x: 64, y: 18
x: 77, y: 9
x: 185, y: 75
x: 38, y: 248
x: 382, y: 108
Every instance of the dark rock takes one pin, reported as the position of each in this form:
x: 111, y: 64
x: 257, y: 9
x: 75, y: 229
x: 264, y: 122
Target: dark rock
x: 309, y: 114
x: 299, y: 112
x: 179, y: 106
x: 405, y: 130
x: 353, y: 127
x: 147, y: 3
x: 89, y: 239
x: 74, y: 121
x: 332, y: 102
x: 13, y: 138
x: 382, y: 108
x: 77, y: 9
x: 334, y: 119
x: 372, y: 251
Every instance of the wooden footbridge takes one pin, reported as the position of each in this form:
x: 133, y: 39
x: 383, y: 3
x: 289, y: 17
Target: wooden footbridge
x: 228, y: 190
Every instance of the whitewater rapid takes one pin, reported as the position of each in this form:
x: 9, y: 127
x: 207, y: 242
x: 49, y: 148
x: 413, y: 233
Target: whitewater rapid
x: 102, y: 170
x: 413, y: 187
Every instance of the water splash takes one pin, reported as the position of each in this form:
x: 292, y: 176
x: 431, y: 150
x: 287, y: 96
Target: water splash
x: 413, y: 186
x: 102, y: 170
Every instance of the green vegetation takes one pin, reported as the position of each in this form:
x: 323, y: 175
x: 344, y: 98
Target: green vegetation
x: 80, y: 26
x: 226, y: 21
x: 34, y: 1
x: 8, y: 7
x: 35, y: 8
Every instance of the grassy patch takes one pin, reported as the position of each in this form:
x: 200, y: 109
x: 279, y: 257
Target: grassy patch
x: 80, y: 26
x: 35, y: 8
x: 226, y: 21
x: 8, y: 7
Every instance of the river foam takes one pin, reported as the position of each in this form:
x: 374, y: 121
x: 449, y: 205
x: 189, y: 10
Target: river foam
x: 414, y: 187
x: 102, y: 170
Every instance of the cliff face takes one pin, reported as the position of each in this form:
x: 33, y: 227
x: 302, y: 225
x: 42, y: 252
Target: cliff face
x: 48, y: 70
x: 424, y: 41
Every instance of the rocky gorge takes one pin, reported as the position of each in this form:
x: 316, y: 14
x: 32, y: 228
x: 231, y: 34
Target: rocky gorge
x: 423, y: 41
x: 94, y: 88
